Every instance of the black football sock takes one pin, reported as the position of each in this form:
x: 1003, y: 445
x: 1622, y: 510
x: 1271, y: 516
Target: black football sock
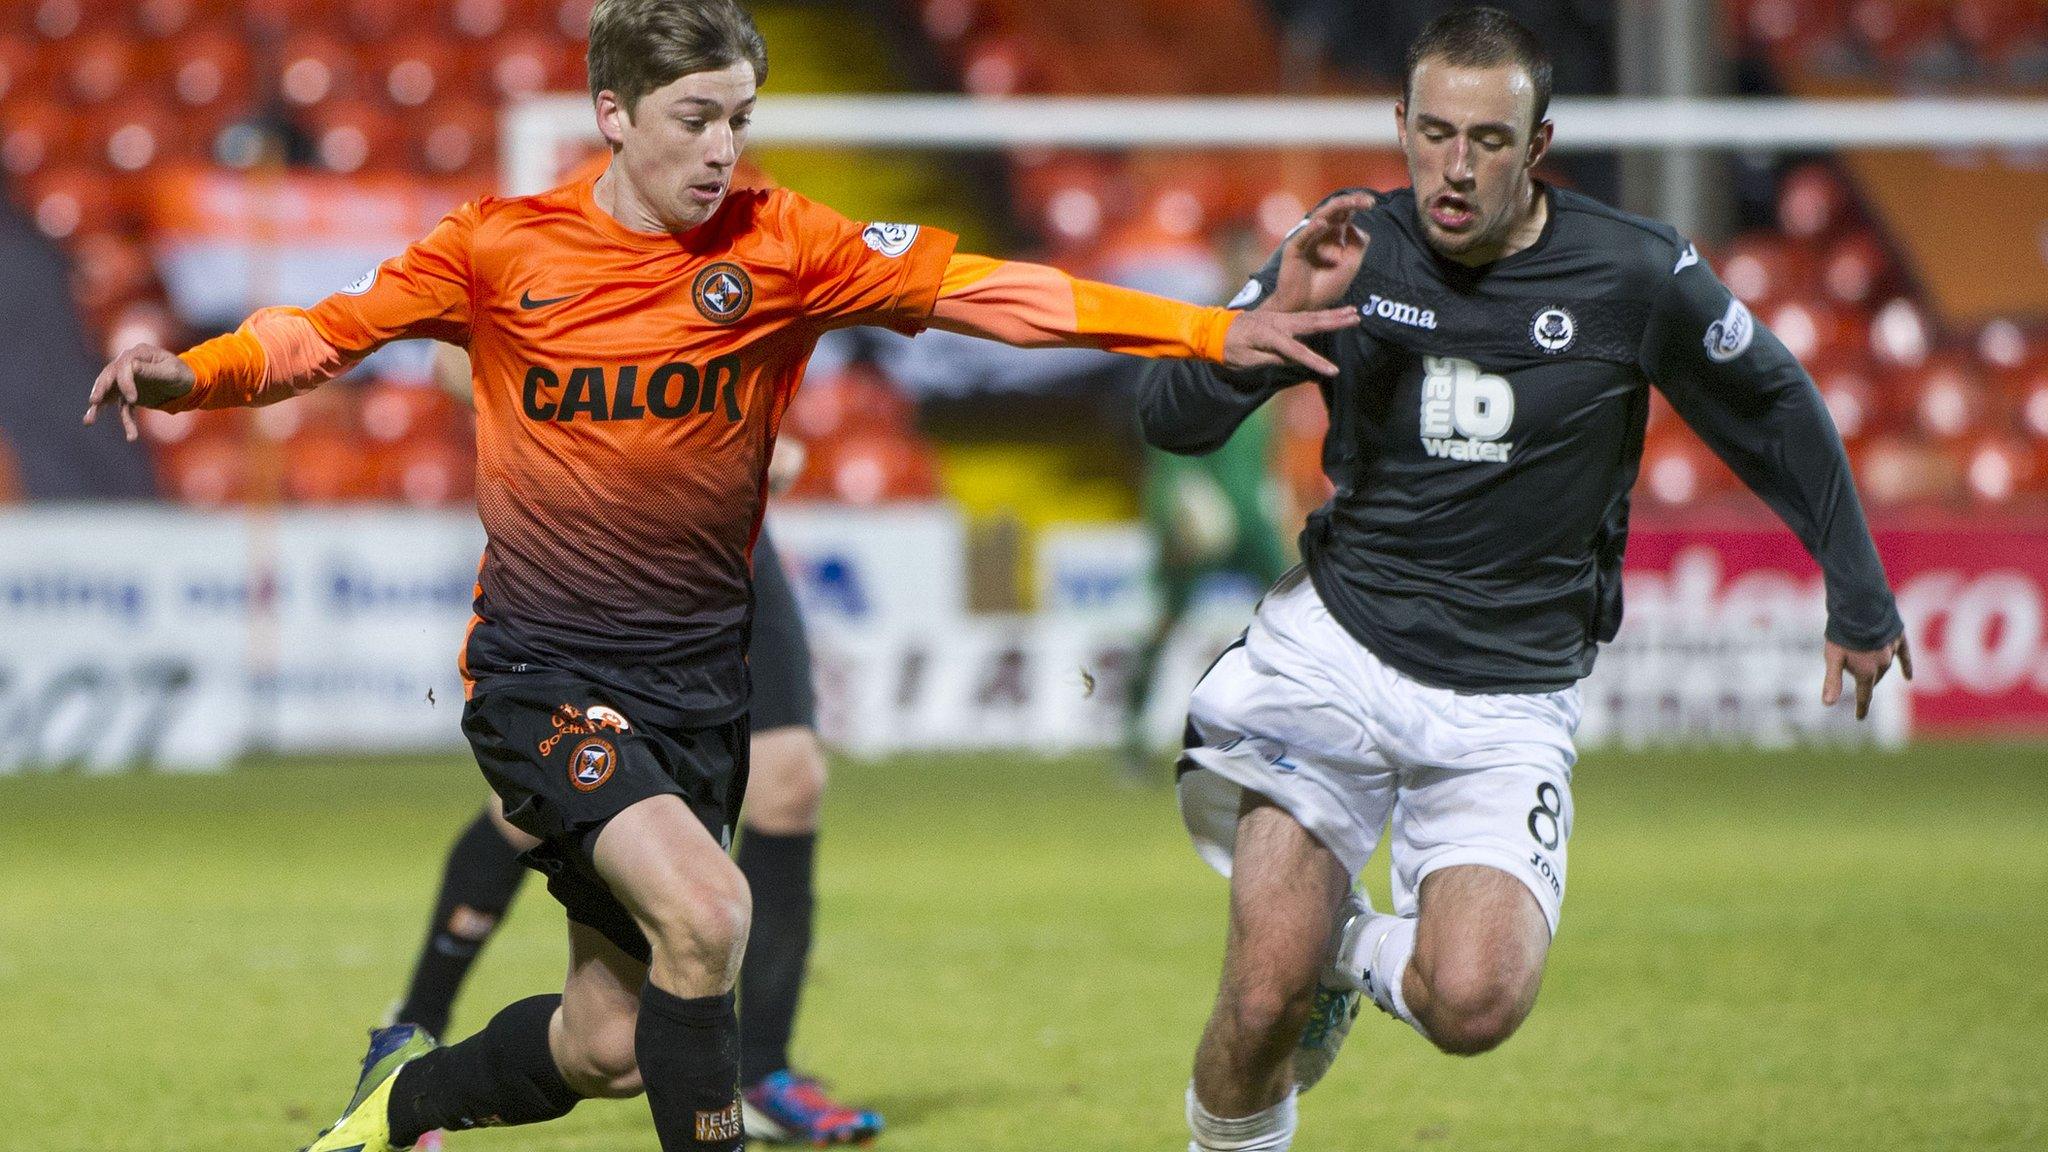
x: 477, y: 885
x: 778, y: 870
x: 503, y: 1075
x: 689, y: 1053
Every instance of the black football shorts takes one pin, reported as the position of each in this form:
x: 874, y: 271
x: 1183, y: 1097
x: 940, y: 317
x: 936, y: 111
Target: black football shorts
x: 566, y: 757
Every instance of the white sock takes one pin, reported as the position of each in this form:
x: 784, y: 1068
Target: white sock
x: 1375, y: 954
x: 1269, y: 1131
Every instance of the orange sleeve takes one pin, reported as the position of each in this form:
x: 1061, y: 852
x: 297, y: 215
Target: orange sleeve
x: 281, y: 352
x: 1035, y: 306
x: 848, y: 273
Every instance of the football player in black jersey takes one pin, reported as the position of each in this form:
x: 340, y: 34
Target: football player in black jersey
x: 1419, y: 672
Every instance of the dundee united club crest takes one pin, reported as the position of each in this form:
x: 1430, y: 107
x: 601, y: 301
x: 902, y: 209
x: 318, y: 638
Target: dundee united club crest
x: 723, y: 292
x: 591, y: 764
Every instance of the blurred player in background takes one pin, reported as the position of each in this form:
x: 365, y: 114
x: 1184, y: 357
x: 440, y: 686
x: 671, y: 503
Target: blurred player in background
x: 777, y: 853
x: 1213, y: 519
x: 1422, y: 665
x: 635, y: 341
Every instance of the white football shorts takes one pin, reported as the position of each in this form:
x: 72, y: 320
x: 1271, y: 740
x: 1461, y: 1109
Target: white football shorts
x: 1302, y: 713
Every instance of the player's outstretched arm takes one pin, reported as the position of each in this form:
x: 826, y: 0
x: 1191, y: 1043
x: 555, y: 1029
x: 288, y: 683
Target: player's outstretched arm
x: 1036, y: 306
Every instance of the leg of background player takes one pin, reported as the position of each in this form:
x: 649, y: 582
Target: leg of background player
x: 1468, y: 966
x: 778, y: 846
x: 1285, y: 888
x: 482, y: 875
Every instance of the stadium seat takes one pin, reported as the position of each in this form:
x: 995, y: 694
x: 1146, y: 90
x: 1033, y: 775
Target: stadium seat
x: 1893, y: 471
x: 209, y: 68
x: 1997, y: 468
x: 1763, y: 269
x: 315, y: 66
x: 61, y: 201
x: 95, y: 67
x: 1680, y: 472
x: 36, y: 133
x: 352, y: 135
x: 430, y: 473
x: 396, y: 413
x: 327, y: 466
x: 2026, y: 393
x: 370, y: 22
x: 1989, y: 27
x: 2003, y: 346
x: 1949, y: 398
x: 138, y: 131
x: 108, y: 269
x: 1782, y: 24
x: 412, y: 70
x: 1853, y: 400
x: 1817, y: 331
x: 876, y: 469
x: 1856, y: 269
x: 163, y: 20
x: 482, y: 19
x: 21, y: 67
x: 1893, y: 29
x: 524, y: 61
x: 1901, y: 334
x: 141, y: 320
x: 1812, y: 202
x: 857, y: 401
x: 207, y: 471
x: 454, y: 138
x: 57, y: 19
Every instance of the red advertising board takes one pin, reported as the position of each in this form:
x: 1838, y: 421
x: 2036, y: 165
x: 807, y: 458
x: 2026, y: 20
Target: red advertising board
x: 1974, y: 595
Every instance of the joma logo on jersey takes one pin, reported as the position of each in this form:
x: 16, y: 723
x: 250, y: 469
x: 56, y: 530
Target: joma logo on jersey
x: 1465, y: 412
x: 670, y: 392
x: 1399, y: 313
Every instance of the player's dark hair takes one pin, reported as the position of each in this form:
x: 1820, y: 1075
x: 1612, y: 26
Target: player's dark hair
x: 637, y: 46
x: 1481, y: 38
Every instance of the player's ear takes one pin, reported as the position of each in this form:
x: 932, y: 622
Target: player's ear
x: 1401, y: 122
x: 1539, y: 143
x: 612, y: 118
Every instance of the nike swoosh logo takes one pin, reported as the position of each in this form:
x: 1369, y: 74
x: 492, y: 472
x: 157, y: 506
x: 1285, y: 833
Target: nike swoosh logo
x: 527, y: 301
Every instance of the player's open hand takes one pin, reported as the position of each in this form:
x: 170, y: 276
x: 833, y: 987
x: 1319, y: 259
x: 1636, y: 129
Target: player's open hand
x: 144, y: 376
x: 1266, y: 339
x: 1320, y: 258
x: 1868, y: 667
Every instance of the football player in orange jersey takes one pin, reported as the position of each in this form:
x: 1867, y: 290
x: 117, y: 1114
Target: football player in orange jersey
x: 634, y: 342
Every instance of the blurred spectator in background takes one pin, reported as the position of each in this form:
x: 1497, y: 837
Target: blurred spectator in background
x: 44, y: 361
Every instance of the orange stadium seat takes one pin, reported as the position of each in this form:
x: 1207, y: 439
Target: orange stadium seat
x: 162, y: 20
x: 352, y: 135
x: 398, y: 413
x: 1893, y: 29
x: 138, y: 131
x: 209, y: 67
x: 483, y: 19
x: 413, y: 70
x: 1855, y: 269
x: 1998, y: 467
x: 1781, y: 25
x: 1988, y: 27
x: 1892, y: 470
x: 456, y: 137
x: 2026, y: 392
x: 426, y: 473
x: 1812, y: 202
x: 56, y: 19
x: 1950, y: 402
x: 1852, y: 398
x: 875, y: 469
x: 1764, y: 270
x: 64, y: 201
x: 368, y: 22
x: 1901, y: 335
x: 2003, y: 346
x: 95, y: 67
x: 37, y: 133
x: 525, y: 61
x: 1680, y: 472
x: 858, y: 401
x: 108, y: 269
x: 315, y: 65
x: 204, y: 470
x: 21, y: 67
x: 1817, y: 331
x: 327, y: 466
x: 569, y: 18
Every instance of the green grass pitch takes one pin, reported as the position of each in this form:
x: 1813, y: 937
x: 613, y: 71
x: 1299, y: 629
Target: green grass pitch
x: 1760, y: 951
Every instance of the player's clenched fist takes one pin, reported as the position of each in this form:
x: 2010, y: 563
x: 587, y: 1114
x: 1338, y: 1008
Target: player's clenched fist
x: 144, y: 376
x: 1266, y: 339
x: 1320, y: 258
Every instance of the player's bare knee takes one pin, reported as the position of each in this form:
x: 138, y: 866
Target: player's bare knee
x: 1473, y: 1011
x: 1267, y: 1017
x: 701, y: 924
x: 787, y: 791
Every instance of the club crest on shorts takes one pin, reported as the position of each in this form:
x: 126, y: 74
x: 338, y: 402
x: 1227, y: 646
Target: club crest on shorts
x: 591, y: 763
x: 723, y: 292
x: 1553, y: 330
x: 889, y: 239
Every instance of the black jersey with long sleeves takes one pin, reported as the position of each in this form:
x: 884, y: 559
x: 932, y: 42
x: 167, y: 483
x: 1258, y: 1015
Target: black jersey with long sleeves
x: 1486, y: 427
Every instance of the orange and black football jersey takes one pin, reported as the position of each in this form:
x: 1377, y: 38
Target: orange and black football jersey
x: 628, y: 389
